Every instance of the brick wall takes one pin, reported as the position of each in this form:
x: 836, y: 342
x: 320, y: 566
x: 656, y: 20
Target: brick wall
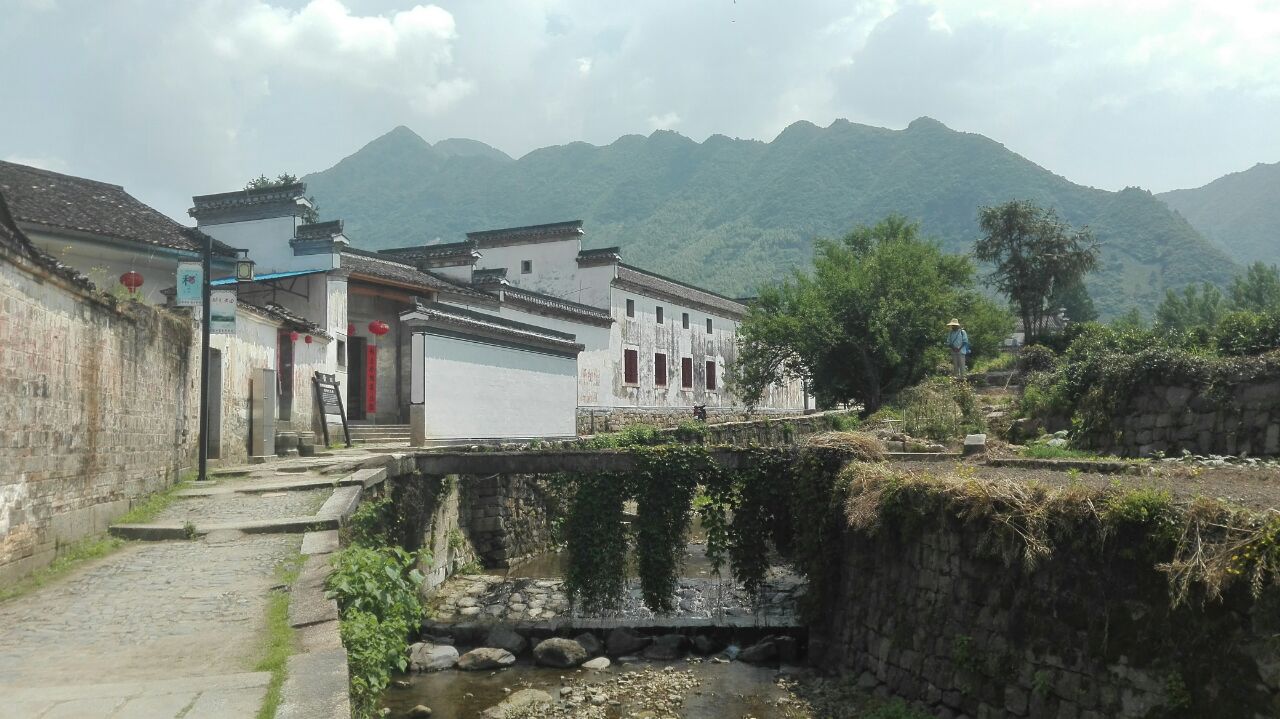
x: 98, y: 407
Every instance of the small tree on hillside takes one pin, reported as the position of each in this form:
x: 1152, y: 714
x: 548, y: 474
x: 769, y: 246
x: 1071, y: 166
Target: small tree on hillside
x: 1258, y: 290
x: 1195, y: 306
x: 309, y: 214
x: 1034, y: 252
x: 868, y: 320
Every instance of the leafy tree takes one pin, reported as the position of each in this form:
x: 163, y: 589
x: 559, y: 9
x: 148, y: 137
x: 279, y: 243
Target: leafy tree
x: 309, y: 214
x: 1074, y: 298
x: 1258, y: 290
x: 1034, y: 253
x: 1195, y: 306
x: 867, y: 321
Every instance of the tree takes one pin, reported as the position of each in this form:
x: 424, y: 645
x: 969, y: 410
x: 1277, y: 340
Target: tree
x: 1074, y: 298
x: 867, y: 321
x: 1195, y: 306
x: 1034, y: 253
x: 309, y: 214
x: 1258, y: 290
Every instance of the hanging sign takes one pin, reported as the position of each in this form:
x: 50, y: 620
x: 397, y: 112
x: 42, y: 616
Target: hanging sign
x: 222, y: 312
x: 190, y: 283
x: 371, y: 380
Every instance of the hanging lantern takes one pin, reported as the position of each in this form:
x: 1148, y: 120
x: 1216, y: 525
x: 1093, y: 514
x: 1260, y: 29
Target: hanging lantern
x: 308, y: 339
x: 293, y: 336
x: 351, y: 329
x: 131, y: 280
x: 379, y: 328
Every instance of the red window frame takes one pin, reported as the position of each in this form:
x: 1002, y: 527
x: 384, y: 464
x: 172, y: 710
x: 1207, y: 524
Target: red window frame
x: 631, y: 366
x: 711, y: 374
x: 686, y: 373
x: 660, y: 369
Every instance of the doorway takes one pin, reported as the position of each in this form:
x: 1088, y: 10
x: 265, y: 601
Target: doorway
x: 357, y: 370
x: 284, y: 376
x: 213, y: 444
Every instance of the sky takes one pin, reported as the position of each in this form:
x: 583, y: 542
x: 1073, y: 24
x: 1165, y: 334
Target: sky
x: 174, y: 98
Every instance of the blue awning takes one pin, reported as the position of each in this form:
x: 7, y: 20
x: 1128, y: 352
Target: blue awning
x: 268, y: 276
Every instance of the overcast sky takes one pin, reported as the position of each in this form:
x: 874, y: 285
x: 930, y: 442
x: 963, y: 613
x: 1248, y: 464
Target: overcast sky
x: 179, y: 97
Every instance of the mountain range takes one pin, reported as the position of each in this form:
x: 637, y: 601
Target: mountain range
x: 730, y: 214
x: 1239, y: 212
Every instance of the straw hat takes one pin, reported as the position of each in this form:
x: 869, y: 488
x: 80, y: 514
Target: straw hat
x: 954, y: 322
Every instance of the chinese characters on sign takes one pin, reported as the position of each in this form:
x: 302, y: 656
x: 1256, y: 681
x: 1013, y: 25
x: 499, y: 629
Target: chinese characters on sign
x: 371, y: 381
x: 222, y: 312
x: 189, y: 282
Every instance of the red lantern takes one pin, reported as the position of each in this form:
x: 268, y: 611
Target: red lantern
x: 351, y: 329
x: 308, y: 339
x: 293, y: 336
x: 379, y: 328
x: 131, y: 280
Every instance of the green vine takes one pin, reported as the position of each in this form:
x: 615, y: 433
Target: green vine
x: 596, y: 575
x: 663, y: 488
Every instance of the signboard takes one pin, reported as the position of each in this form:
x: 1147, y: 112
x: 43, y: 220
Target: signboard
x: 371, y: 380
x: 190, y: 283
x: 329, y: 397
x: 222, y: 312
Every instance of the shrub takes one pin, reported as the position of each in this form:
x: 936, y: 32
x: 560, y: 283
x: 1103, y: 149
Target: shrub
x: 940, y: 408
x: 1036, y: 358
x: 1247, y: 333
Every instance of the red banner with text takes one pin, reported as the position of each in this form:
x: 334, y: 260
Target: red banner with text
x: 371, y: 381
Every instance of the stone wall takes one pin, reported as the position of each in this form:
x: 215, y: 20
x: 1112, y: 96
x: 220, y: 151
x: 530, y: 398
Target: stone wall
x: 598, y: 420
x: 99, y: 406
x: 509, y: 517
x: 930, y: 617
x: 1243, y: 418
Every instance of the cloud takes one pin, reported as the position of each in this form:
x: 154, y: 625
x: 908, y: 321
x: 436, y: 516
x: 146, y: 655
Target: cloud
x: 665, y: 121
x: 584, y: 65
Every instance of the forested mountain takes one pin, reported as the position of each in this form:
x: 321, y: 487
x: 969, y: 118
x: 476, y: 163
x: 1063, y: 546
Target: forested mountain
x: 1239, y: 212
x: 730, y: 213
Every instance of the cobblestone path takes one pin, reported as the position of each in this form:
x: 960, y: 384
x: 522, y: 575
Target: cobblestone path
x: 242, y: 507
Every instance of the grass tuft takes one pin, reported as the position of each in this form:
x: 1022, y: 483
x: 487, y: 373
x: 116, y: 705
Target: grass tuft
x: 278, y: 639
x: 149, y: 508
x: 863, y: 446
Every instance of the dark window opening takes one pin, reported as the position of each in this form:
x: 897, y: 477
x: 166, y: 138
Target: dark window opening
x: 284, y: 376
x: 631, y: 308
x: 657, y: 312
x: 686, y: 372
x: 342, y: 353
x: 660, y: 370
x: 526, y: 266
x: 684, y: 319
x: 711, y: 374
x: 631, y: 366
x: 708, y: 325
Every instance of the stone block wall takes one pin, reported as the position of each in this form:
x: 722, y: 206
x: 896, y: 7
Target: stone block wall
x: 509, y: 517
x: 98, y: 407
x: 931, y: 617
x: 598, y: 420
x: 1242, y: 419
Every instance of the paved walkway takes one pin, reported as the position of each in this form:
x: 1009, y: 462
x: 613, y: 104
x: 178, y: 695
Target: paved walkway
x: 169, y: 629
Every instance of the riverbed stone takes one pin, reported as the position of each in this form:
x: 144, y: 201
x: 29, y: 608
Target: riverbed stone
x: 506, y: 638
x: 517, y: 700
x: 559, y: 653
x: 704, y: 644
x: 597, y: 664
x: 763, y: 651
x: 424, y: 657
x: 623, y: 640
x: 666, y: 647
x: 590, y: 642
x: 420, y: 711
x: 485, y: 658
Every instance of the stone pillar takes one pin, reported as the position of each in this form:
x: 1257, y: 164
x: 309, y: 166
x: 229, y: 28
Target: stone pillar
x: 417, y: 389
x: 263, y: 402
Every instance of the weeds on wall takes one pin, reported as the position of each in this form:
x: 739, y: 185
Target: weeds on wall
x: 940, y: 408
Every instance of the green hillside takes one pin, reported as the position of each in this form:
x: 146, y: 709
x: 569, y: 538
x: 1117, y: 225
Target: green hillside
x: 730, y: 214
x: 1239, y: 212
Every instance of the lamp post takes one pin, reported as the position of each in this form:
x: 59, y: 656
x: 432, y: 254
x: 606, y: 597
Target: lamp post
x: 244, y: 273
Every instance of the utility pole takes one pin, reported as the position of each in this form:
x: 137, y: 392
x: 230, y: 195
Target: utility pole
x: 204, y: 358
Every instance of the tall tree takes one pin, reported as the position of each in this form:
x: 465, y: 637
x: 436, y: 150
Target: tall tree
x: 1195, y: 306
x: 309, y: 214
x: 867, y: 321
x: 1074, y: 298
x: 1034, y: 252
x: 1258, y: 290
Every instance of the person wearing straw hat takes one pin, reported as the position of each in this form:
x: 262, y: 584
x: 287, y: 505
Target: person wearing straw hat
x: 958, y: 343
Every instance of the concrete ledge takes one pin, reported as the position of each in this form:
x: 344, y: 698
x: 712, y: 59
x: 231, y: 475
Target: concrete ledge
x: 316, y: 687
x: 341, y: 503
x: 924, y: 456
x: 161, y: 532
x: 325, y: 542
x: 560, y: 625
x: 1066, y: 465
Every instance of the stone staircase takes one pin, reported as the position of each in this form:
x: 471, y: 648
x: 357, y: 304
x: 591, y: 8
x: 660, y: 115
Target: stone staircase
x: 379, y: 434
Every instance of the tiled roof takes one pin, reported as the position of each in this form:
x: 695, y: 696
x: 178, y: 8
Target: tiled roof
x: 481, y: 323
x: 244, y: 198
x: 286, y: 317
x: 318, y: 230
x: 537, y: 301
x: 379, y: 267
x: 463, y: 249
x: 526, y: 234
x: 62, y: 202
x: 645, y: 282
x: 12, y: 239
x: 600, y: 256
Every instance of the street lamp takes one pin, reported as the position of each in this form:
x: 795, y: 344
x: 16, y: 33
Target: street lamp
x: 244, y: 273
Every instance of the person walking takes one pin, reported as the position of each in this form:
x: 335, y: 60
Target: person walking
x: 958, y: 343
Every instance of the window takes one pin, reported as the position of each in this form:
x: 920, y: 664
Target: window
x: 526, y: 266
x: 631, y: 366
x: 657, y: 312
x: 342, y: 353
x: 708, y: 325
x: 684, y: 319
x: 660, y: 369
x: 631, y: 308
x: 686, y: 372
x: 711, y: 373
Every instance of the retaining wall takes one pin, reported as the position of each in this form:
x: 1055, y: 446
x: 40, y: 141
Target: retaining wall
x: 99, y: 405
x: 929, y: 616
x: 598, y: 420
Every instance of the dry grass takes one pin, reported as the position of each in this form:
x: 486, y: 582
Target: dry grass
x: 862, y: 446
x: 1210, y: 544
